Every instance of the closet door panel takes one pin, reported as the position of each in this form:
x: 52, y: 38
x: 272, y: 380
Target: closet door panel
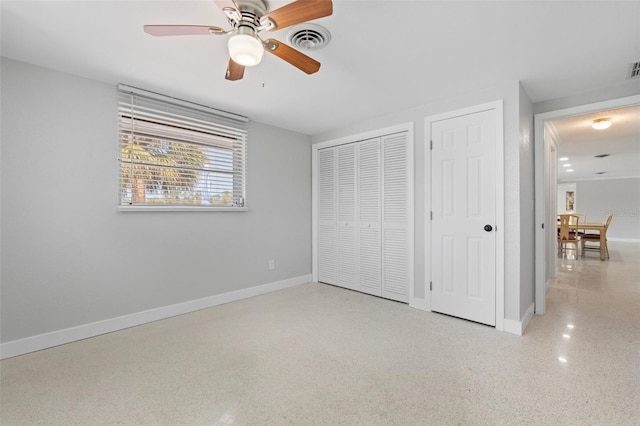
x: 395, y: 217
x: 369, y: 216
x: 327, y: 238
x: 347, y: 252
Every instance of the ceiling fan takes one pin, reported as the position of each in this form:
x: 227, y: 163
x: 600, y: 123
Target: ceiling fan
x: 247, y: 19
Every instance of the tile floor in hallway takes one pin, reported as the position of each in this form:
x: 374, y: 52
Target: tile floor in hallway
x: 321, y: 355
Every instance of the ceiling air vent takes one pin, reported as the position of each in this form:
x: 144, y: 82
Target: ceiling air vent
x: 308, y: 37
x: 600, y: 173
x: 634, y: 70
x: 602, y: 155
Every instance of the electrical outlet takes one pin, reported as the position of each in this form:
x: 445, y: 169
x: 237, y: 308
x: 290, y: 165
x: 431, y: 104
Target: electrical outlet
x: 272, y: 265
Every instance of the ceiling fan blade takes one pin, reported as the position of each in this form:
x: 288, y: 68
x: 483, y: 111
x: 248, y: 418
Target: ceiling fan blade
x: 299, y: 11
x: 235, y: 71
x: 176, y: 30
x: 293, y: 56
x: 222, y: 4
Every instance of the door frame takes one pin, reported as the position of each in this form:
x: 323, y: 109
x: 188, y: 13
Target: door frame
x: 497, y: 105
x: 542, y: 191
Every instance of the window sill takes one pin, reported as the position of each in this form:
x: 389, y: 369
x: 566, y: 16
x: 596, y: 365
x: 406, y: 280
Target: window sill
x: 180, y: 209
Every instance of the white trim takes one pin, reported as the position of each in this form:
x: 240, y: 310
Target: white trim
x: 314, y: 213
x: 517, y: 327
x: 413, y: 301
x: 182, y: 102
x: 363, y: 136
x: 500, y: 222
x: 404, y: 127
x: 167, y: 208
x: 497, y: 105
x: 541, y: 190
x: 426, y: 304
x: 624, y: 240
x: 68, y: 335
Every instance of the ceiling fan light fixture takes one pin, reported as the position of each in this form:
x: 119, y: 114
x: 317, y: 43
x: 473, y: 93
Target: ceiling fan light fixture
x: 601, y: 123
x: 245, y: 50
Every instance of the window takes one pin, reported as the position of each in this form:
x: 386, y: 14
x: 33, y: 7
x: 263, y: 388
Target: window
x: 175, y: 154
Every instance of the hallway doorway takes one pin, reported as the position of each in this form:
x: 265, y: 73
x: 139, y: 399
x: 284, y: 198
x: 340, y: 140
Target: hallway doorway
x: 546, y: 146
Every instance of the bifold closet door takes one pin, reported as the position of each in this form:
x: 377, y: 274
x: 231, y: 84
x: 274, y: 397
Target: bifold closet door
x: 396, y: 226
x: 364, y: 239
x: 347, y: 252
x: 369, y: 216
x: 327, y: 238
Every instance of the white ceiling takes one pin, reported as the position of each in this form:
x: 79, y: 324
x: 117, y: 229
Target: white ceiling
x: 580, y: 143
x: 384, y: 56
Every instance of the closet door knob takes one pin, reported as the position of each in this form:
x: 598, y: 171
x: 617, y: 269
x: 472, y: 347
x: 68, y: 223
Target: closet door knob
x: 488, y: 228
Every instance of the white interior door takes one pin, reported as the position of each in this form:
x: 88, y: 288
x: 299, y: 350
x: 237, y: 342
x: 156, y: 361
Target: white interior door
x: 463, y: 227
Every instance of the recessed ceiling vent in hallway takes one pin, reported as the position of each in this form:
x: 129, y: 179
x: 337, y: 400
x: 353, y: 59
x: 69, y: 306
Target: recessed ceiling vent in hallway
x: 634, y: 70
x: 308, y: 37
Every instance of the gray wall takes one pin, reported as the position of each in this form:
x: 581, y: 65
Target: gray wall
x: 518, y: 268
x: 527, y: 202
x: 69, y: 258
x: 619, y: 197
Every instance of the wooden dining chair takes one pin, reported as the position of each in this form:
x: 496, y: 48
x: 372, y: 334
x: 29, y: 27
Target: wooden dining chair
x: 595, y: 240
x: 568, y: 232
x: 582, y: 218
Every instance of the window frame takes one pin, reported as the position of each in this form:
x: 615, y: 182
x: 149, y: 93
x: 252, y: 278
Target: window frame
x: 235, y: 125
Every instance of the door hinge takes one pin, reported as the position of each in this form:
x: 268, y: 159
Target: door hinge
x: 431, y: 214
x: 430, y: 285
x: 430, y: 145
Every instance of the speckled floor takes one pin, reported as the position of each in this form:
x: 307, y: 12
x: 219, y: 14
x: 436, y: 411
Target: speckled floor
x: 320, y: 355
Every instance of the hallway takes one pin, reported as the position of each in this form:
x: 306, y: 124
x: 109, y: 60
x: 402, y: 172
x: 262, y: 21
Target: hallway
x: 592, y: 326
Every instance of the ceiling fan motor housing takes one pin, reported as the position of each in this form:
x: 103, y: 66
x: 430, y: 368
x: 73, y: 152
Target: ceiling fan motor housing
x: 250, y: 13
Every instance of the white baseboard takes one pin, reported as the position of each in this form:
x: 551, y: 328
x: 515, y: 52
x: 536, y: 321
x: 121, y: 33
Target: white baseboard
x: 623, y: 240
x: 517, y: 327
x: 68, y: 335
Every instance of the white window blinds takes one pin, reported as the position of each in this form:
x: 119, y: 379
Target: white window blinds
x: 176, y: 154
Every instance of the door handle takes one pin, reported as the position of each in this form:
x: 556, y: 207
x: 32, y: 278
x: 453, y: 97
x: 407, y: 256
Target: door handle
x: 488, y: 228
